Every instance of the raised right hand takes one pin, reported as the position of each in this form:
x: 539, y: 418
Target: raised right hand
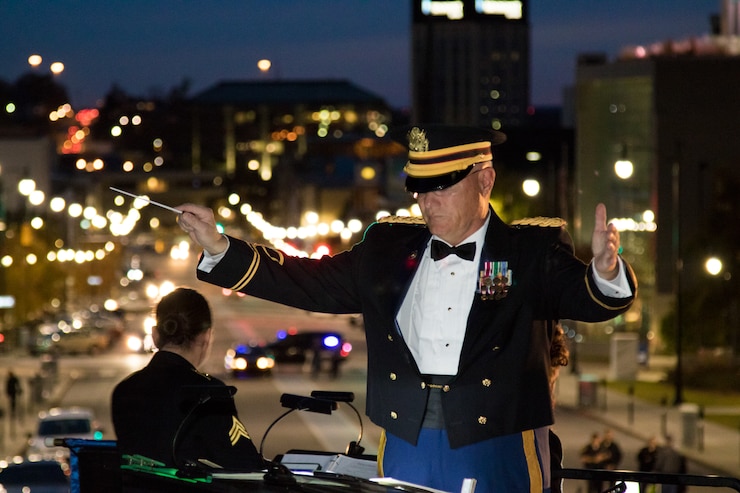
x: 200, y: 224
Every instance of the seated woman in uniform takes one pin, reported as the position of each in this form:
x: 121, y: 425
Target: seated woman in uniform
x: 169, y: 411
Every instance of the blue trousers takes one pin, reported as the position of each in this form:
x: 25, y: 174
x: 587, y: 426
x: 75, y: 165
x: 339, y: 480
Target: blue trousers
x: 509, y: 464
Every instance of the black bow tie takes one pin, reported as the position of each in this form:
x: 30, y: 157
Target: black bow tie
x: 440, y: 250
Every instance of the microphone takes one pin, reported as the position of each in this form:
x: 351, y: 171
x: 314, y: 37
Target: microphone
x: 332, y: 395
x: 302, y: 403
x: 312, y: 404
x: 354, y: 448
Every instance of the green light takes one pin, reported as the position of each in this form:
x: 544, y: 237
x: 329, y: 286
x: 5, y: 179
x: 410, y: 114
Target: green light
x: 165, y: 472
x: 220, y: 228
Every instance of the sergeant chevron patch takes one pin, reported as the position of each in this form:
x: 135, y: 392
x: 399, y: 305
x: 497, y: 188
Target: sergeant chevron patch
x: 237, y: 431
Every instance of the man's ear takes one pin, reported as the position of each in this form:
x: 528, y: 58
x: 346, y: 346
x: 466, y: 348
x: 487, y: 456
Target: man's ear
x: 486, y: 179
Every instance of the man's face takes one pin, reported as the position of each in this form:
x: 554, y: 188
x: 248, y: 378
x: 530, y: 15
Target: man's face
x: 456, y: 212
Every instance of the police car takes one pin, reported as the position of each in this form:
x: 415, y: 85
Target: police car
x: 243, y: 359
x: 319, y: 350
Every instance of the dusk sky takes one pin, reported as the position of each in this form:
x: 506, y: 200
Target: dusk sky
x: 152, y: 45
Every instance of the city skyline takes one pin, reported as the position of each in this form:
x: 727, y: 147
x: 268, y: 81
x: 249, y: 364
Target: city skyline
x: 146, y: 48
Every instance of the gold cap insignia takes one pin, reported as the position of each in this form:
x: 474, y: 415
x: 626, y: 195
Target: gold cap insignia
x: 418, y: 141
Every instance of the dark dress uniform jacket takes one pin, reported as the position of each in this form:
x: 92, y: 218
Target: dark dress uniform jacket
x: 502, y: 382
x: 149, y: 406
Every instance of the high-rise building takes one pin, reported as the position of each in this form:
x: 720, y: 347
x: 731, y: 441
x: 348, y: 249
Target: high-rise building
x: 471, y: 62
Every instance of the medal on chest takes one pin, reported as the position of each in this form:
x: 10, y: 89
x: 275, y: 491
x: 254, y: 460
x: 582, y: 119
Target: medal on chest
x: 494, y: 281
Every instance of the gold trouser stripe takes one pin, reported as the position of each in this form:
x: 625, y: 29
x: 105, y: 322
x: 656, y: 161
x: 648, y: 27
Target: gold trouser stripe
x: 381, y: 453
x: 530, y: 455
x: 533, y: 463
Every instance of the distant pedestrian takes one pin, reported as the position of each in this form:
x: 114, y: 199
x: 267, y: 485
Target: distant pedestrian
x: 670, y: 460
x: 37, y: 388
x: 13, y: 390
x: 612, y: 452
x: 316, y: 357
x: 646, y: 461
x: 592, y: 457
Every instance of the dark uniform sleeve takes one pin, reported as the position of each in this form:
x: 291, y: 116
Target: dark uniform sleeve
x: 326, y: 285
x: 570, y: 282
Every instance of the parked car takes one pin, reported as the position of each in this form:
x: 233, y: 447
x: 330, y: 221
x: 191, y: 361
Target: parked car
x: 248, y: 359
x: 41, y: 333
x: 142, y: 341
x: 85, y: 340
x: 42, y: 476
x: 72, y: 422
x: 323, y: 350
x: 90, y: 333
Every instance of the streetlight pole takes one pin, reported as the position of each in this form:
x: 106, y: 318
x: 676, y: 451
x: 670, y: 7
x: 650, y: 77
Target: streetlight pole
x: 678, y: 377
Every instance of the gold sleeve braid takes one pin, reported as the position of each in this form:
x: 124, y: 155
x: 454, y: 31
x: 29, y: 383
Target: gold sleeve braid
x: 593, y: 296
x: 258, y: 252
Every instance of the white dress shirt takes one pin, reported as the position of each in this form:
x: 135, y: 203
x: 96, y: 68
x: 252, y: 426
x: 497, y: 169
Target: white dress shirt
x: 434, y: 314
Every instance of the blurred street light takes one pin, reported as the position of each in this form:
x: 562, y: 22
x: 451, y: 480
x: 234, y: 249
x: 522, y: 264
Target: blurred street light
x: 56, y: 68
x: 264, y: 65
x: 624, y: 168
x: 26, y: 186
x: 531, y: 187
x: 713, y: 266
x: 35, y: 60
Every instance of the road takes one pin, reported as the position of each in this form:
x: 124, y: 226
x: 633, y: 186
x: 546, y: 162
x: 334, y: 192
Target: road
x: 258, y: 398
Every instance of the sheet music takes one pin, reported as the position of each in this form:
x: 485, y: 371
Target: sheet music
x: 307, y: 462
x: 352, y: 466
x: 397, y: 482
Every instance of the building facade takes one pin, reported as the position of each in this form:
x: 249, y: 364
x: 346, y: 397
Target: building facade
x: 291, y: 146
x: 654, y: 142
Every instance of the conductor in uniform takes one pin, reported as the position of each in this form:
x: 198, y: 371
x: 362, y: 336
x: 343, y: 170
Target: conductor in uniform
x: 459, y: 310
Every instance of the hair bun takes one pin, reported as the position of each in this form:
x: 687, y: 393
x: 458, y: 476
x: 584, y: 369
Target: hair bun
x: 173, y: 324
x: 181, y: 316
x: 168, y: 327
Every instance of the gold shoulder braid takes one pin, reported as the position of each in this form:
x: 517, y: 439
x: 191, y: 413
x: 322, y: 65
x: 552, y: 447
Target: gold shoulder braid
x: 541, y: 221
x: 402, y: 220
